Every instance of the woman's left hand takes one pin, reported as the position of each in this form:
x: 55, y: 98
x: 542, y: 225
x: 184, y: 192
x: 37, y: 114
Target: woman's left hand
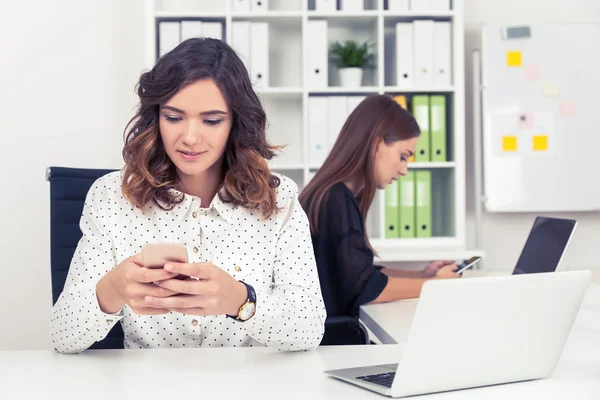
x: 215, y: 292
x: 431, y: 270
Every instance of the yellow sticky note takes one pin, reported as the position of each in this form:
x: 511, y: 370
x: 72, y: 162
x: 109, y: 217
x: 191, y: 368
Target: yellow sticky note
x: 550, y: 89
x: 412, y: 158
x: 540, y: 143
x: 514, y: 59
x: 509, y: 143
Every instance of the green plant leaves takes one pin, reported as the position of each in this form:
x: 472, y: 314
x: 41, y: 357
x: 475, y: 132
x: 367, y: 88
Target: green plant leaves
x: 351, y: 54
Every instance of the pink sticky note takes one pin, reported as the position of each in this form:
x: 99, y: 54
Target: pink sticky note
x: 525, y: 120
x: 567, y: 108
x: 532, y: 72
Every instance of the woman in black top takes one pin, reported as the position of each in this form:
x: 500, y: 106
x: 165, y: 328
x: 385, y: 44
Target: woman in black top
x: 371, y: 151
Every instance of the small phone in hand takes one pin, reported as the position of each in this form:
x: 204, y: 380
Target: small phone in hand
x: 156, y: 255
x: 463, y: 266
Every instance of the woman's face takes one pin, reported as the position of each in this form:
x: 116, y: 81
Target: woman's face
x: 194, y: 125
x: 391, y: 160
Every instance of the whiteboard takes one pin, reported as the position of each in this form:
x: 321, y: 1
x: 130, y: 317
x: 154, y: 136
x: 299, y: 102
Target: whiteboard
x: 541, y: 117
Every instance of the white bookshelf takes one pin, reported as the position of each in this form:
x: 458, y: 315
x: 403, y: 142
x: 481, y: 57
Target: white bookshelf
x: 286, y: 97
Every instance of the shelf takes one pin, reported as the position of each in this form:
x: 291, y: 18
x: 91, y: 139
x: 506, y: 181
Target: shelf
x: 396, y: 89
x: 422, y: 249
x: 414, y: 165
x: 190, y: 14
x: 366, y: 14
x: 431, y: 165
x: 418, y: 14
x: 278, y: 21
x: 344, y: 90
x: 267, y: 15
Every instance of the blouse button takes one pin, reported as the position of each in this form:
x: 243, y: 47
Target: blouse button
x: 195, y: 214
x: 237, y: 268
x: 195, y: 250
x: 195, y: 322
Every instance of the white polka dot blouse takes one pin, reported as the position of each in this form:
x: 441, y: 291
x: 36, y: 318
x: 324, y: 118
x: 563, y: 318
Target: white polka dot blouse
x: 274, y: 255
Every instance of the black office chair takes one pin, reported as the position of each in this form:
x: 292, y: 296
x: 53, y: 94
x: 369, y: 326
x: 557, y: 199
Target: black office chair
x: 68, y: 189
x: 341, y: 331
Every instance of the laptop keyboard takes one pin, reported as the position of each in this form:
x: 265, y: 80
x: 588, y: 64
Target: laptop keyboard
x: 383, y: 379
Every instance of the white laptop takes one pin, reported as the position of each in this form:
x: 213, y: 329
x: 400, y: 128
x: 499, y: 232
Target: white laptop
x: 476, y: 332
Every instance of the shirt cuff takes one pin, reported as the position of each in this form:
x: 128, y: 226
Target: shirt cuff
x: 100, y: 323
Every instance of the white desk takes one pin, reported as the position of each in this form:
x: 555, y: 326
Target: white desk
x: 390, y: 322
x: 252, y: 373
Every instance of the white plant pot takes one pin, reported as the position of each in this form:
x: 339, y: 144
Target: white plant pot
x: 351, y: 77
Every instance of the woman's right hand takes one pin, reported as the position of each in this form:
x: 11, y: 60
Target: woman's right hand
x: 128, y: 283
x: 447, y: 272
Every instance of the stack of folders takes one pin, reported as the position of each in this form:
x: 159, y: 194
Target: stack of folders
x: 430, y: 113
x: 408, y: 200
x: 171, y: 33
x: 345, y: 5
x: 418, y: 5
x: 408, y: 206
x: 423, y: 54
x: 326, y: 117
x: 251, y: 41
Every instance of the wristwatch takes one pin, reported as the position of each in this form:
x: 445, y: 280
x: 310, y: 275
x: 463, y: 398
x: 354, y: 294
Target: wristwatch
x: 247, y: 309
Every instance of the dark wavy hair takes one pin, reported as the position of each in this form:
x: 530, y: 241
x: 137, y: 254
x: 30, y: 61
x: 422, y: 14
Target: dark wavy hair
x: 149, y: 173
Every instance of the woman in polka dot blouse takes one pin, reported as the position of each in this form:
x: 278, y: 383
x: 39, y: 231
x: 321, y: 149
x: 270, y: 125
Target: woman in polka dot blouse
x: 196, y: 174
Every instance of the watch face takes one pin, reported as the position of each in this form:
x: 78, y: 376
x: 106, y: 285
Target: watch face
x: 248, y: 311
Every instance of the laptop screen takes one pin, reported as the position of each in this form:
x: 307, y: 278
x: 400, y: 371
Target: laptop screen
x: 545, y: 245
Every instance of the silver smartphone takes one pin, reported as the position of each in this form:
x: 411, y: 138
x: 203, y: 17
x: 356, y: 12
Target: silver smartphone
x: 465, y: 265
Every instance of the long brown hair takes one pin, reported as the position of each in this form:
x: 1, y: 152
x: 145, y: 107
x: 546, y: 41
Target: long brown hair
x: 149, y: 173
x: 376, y: 118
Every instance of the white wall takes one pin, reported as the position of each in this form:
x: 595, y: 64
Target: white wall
x: 67, y: 76
x: 504, y: 235
x: 67, y: 80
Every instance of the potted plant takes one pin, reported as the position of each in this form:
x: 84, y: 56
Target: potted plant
x: 351, y: 58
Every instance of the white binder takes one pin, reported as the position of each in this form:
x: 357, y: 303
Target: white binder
x: 212, y: 30
x: 404, y: 55
x: 440, y: 5
x: 240, y: 6
x: 259, y: 54
x: 352, y: 5
x: 423, y: 53
x: 190, y: 29
x: 442, y: 50
x: 325, y: 5
x: 353, y: 102
x: 168, y: 36
x: 337, y: 115
x: 317, y: 51
x: 318, y: 145
x: 259, y: 5
x: 398, y: 5
x: 240, y: 40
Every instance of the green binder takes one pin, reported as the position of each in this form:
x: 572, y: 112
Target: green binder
x: 407, y: 205
x: 391, y: 210
x: 438, y: 128
x: 423, y: 203
x: 420, y: 110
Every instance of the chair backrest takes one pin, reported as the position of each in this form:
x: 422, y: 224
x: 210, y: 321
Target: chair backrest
x: 68, y: 189
x: 344, y: 331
